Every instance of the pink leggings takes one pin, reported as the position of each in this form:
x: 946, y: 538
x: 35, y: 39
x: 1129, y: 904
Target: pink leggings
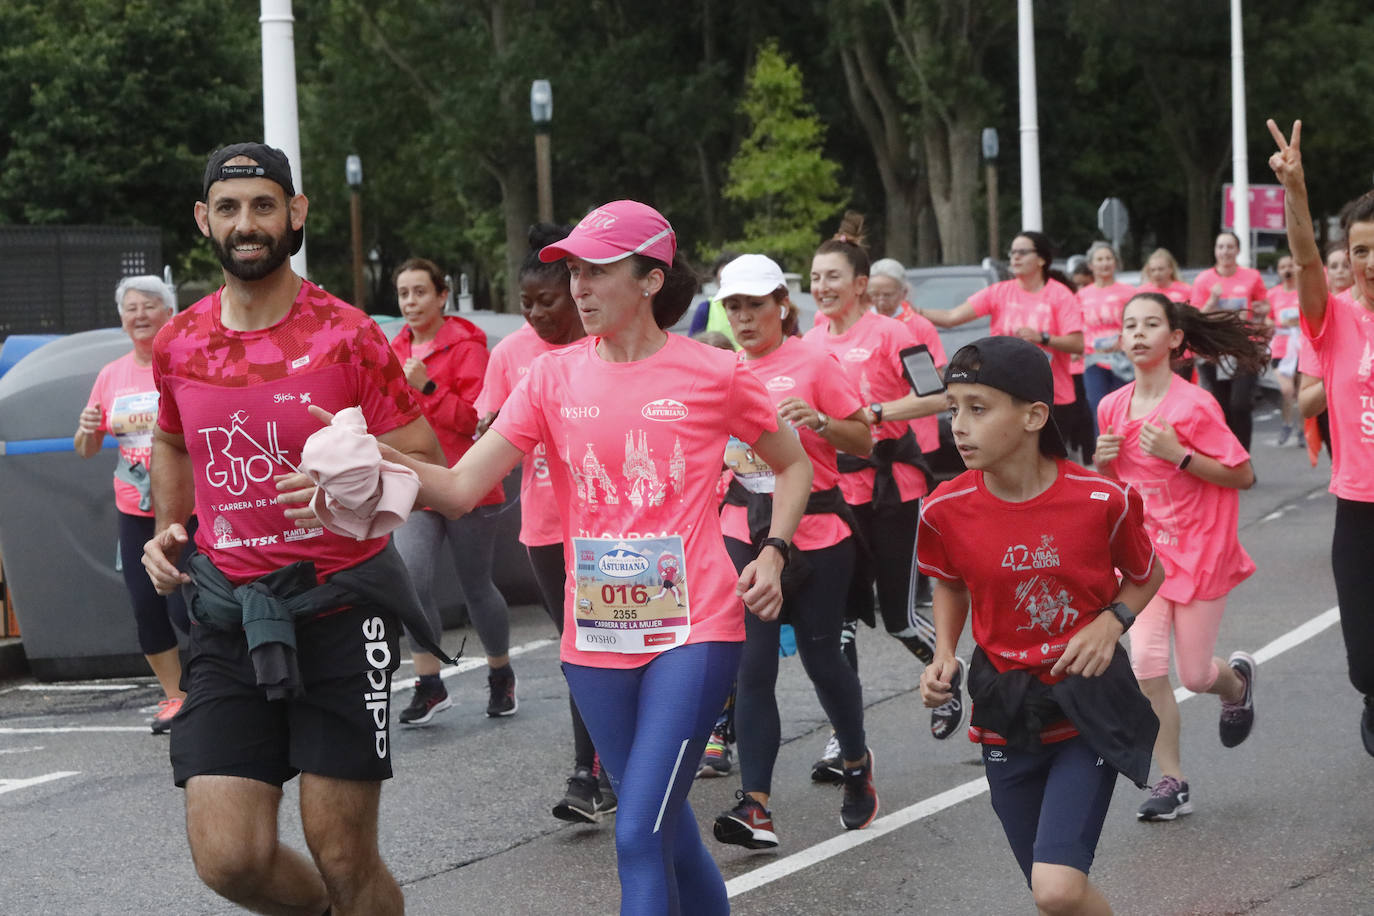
x: 1194, y: 626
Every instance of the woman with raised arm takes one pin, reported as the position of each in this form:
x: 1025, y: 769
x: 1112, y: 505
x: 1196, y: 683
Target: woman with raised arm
x: 1341, y: 330
x: 635, y: 421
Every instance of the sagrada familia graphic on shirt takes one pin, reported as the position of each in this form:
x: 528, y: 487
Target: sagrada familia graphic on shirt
x: 640, y: 481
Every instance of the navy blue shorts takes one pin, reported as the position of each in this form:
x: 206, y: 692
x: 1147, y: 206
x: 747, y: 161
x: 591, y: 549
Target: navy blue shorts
x: 1052, y: 801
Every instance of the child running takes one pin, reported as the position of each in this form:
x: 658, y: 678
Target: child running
x: 1033, y: 541
x: 1169, y: 440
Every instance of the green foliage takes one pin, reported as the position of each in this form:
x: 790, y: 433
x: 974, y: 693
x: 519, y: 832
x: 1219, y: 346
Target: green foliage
x: 780, y: 170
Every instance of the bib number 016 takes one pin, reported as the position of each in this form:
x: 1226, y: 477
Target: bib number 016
x: 625, y: 594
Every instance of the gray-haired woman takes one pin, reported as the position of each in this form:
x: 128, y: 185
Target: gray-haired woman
x: 123, y: 403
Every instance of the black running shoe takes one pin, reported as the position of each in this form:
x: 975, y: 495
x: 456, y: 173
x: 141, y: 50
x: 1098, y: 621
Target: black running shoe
x: 1238, y: 718
x: 715, y: 760
x: 424, y: 704
x: 946, y: 718
x: 860, y: 805
x: 579, y: 802
x: 606, y: 799
x: 748, y: 824
x: 829, y: 768
x: 502, y: 700
x: 1168, y: 799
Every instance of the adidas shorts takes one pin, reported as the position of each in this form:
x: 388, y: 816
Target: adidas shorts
x: 339, y: 728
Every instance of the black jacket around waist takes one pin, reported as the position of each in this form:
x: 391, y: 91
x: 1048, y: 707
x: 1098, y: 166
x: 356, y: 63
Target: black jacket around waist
x: 886, y: 453
x: 1109, y: 710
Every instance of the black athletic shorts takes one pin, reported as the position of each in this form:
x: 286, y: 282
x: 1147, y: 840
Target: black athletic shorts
x: 339, y: 728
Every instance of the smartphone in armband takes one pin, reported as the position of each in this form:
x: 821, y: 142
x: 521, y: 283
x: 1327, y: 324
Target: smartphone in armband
x: 919, y: 368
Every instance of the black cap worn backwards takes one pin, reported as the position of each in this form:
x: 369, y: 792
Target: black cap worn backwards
x: 272, y: 164
x: 1015, y: 366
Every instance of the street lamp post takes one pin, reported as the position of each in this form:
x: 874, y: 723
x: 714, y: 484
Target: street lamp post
x: 541, y: 112
x: 353, y: 174
x: 990, y: 164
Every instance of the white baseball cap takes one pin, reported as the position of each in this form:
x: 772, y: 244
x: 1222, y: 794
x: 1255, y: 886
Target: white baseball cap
x: 750, y: 275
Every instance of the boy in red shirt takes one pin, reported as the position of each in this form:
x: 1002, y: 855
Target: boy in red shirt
x: 1033, y: 542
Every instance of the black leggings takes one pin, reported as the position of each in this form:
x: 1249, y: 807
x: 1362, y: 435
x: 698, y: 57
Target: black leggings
x: 550, y: 575
x: 890, y: 532
x: 1236, y: 396
x: 816, y: 611
x: 153, y: 613
x: 1352, y: 545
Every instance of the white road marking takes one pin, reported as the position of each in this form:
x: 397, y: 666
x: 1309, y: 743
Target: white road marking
x: 77, y: 688
x: 467, y: 664
x: 11, y: 785
x: 1276, y: 514
x: 20, y: 750
x: 69, y: 729
x: 848, y: 840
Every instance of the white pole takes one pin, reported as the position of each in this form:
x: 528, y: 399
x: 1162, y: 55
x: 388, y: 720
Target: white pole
x: 280, y: 120
x: 1030, y: 120
x: 1240, y: 166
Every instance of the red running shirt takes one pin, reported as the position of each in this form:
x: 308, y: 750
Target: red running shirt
x: 239, y: 398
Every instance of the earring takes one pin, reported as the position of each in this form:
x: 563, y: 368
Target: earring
x: 645, y: 294
x: 782, y: 312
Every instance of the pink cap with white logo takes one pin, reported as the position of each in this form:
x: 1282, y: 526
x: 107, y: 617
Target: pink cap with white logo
x: 613, y: 232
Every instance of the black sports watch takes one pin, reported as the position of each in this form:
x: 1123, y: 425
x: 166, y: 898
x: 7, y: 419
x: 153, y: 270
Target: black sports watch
x: 777, y: 543
x: 1121, y: 613
x: 430, y: 387
x: 1044, y: 339
x: 876, y: 408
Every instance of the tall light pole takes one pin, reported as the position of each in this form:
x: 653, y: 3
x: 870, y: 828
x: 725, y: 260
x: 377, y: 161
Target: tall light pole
x: 541, y: 112
x: 281, y: 126
x: 353, y: 174
x: 1240, y: 162
x: 990, y: 164
x: 1030, y: 119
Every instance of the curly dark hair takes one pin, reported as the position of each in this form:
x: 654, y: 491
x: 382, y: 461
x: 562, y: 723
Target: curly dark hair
x: 1212, y: 335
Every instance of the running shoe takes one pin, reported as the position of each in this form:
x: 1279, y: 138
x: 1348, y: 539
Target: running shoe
x: 424, y: 704
x: 748, y: 824
x: 715, y: 760
x: 162, y: 719
x: 1285, y: 434
x: 606, y: 799
x: 501, y: 685
x: 579, y: 802
x: 946, y: 718
x: 1238, y: 718
x: 1168, y: 799
x: 860, y: 804
x: 829, y: 768
x: 1367, y: 725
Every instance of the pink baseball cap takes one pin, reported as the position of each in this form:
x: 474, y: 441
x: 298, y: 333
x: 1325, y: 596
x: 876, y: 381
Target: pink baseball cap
x: 613, y: 232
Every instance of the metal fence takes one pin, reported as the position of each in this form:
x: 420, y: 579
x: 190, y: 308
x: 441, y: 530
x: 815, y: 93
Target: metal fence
x: 61, y: 279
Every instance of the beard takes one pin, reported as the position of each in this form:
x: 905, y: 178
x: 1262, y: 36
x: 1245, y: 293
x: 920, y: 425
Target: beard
x: 278, y: 250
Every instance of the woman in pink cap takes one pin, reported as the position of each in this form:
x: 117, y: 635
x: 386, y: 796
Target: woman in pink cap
x: 635, y: 421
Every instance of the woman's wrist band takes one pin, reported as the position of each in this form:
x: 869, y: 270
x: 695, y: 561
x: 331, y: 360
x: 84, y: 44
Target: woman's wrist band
x: 1187, y: 460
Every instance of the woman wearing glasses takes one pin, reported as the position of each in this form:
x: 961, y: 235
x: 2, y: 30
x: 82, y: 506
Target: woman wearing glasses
x: 1032, y: 306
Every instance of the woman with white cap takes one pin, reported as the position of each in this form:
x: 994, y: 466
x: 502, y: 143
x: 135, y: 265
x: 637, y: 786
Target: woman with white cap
x: 816, y: 398
x: 635, y: 421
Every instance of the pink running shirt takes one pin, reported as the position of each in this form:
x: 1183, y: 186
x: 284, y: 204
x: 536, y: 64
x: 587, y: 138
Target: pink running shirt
x: 1345, y: 349
x: 1192, y: 522
x: 1102, y: 307
x: 510, y: 362
x: 634, y: 454
x: 1053, y: 310
x: 799, y: 369
x: 1283, y: 307
x: 128, y: 411
x: 1239, y: 292
x: 869, y: 355
x: 1177, y: 291
x: 239, y: 398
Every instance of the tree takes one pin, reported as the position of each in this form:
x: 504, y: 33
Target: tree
x: 780, y: 170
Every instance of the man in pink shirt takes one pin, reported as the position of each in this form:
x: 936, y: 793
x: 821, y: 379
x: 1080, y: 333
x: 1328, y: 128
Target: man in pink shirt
x: 233, y: 373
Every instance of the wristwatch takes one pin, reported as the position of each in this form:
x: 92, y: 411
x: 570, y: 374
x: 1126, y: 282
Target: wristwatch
x: 877, y: 410
x: 430, y: 387
x: 822, y: 421
x: 777, y: 543
x: 1044, y: 339
x: 1122, y: 613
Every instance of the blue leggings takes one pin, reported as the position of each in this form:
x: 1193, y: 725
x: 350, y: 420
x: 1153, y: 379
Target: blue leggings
x: 650, y: 725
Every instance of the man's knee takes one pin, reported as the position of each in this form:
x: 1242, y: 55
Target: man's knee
x: 231, y: 827
x: 232, y: 869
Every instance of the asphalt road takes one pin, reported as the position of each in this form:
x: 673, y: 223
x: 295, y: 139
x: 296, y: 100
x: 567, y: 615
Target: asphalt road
x: 90, y: 822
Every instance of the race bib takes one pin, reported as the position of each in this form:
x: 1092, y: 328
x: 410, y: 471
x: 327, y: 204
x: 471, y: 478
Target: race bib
x: 132, y: 418
x: 1106, y: 342
x: 749, y: 469
x: 631, y: 594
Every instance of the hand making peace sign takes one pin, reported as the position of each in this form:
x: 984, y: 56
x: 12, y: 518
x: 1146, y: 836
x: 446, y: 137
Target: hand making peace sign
x: 1287, y: 162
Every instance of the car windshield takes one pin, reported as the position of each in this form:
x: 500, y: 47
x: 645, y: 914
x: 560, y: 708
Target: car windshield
x: 944, y: 292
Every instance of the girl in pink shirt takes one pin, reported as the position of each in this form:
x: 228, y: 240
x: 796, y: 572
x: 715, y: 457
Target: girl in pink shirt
x: 1102, y: 301
x: 1168, y: 440
x: 816, y: 398
x: 635, y: 421
x: 1341, y: 329
x: 1162, y: 276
